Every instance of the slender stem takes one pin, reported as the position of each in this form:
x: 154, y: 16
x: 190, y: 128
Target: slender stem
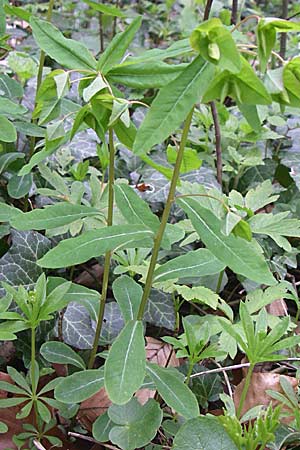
x: 165, y: 216
x: 101, y: 33
x: 190, y: 371
x: 245, y: 390
x: 40, y: 74
x: 220, y: 279
x: 115, y: 20
x: 218, y: 141
x: 32, y: 362
x: 107, y: 254
x: 252, y: 16
x: 283, y: 36
x: 234, y: 11
x: 207, y: 9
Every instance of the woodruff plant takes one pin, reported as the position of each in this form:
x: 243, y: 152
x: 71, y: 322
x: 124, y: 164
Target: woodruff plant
x: 225, y: 225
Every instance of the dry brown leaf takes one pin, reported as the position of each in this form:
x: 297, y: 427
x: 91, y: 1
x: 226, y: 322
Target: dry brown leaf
x: 277, y: 308
x: 92, y: 408
x: 260, y: 382
x: 91, y: 277
x: 161, y: 353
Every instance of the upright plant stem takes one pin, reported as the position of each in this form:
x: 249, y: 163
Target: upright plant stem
x: 245, y: 390
x: 234, y: 11
x: 40, y: 73
x: 218, y: 141
x: 32, y: 365
x: 207, y: 9
x: 159, y: 235
x: 283, y: 37
x: 107, y: 254
x: 101, y: 33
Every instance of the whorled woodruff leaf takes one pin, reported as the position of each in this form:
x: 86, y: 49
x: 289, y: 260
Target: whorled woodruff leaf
x: 18, y: 266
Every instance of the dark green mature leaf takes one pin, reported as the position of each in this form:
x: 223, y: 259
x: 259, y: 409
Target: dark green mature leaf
x: 174, y: 391
x: 95, y: 243
x: 52, y: 216
x: 11, y: 108
x: 243, y: 257
x: 101, y: 427
x: 136, y: 425
x: 79, y: 386
x: 145, y: 75
x: 128, y: 293
x: 118, y: 46
x: 7, y: 158
x: 67, y: 52
x: 126, y: 363
x: 178, y: 48
x: 172, y: 105
x: 7, y: 130
x: 60, y: 353
x: 7, y: 212
x: 9, y: 87
x: 196, y: 263
x: 203, y: 433
x: 19, y: 186
x: 18, y: 266
x: 160, y: 310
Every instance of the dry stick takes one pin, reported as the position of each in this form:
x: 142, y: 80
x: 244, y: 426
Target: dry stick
x: 234, y: 12
x: 107, y: 254
x: 218, y: 141
x: 283, y: 37
x: 159, y: 235
x: 207, y: 9
x: 90, y: 439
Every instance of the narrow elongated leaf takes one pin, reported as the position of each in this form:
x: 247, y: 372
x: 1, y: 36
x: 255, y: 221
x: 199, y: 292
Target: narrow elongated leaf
x: 174, y: 391
x: 126, y: 363
x: 118, y: 46
x: 7, y: 212
x: 52, y: 216
x: 67, y: 52
x: 128, y: 294
x: 197, y: 263
x: 60, y: 353
x: 79, y: 386
x: 105, y: 9
x: 145, y: 75
x: 95, y: 243
x: 172, y: 105
x: 243, y: 257
x: 203, y: 433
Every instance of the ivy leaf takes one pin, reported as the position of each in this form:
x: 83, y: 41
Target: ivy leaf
x: 242, y: 257
x: 136, y: 425
x: 125, y: 366
x: 203, y: 433
x: 67, y: 52
x: 18, y: 266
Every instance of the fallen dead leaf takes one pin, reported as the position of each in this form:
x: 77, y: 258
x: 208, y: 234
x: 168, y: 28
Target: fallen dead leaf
x: 277, y: 308
x: 260, y: 383
x: 91, y: 277
x: 92, y: 408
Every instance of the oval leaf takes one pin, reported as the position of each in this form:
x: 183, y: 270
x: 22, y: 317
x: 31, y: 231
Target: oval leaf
x: 126, y: 363
x: 60, y: 353
x: 79, y: 386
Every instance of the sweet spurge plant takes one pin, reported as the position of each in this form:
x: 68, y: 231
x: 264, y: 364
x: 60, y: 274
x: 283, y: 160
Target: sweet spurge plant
x: 149, y: 192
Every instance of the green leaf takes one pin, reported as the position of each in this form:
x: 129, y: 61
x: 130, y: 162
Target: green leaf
x: 172, y: 105
x: 196, y: 263
x: 7, y: 212
x: 215, y: 43
x: 203, y: 433
x: 244, y: 258
x: 11, y: 108
x: 30, y: 129
x: 125, y: 366
x: 9, y: 87
x: 97, y: 85
x: 95, y: 243
x: 3, y: 428
x: 137, y: 424
x: 19, y: 186
x: 114, y: 52
x: 43, y: 411
x: 79, y: 386
x: 174, y: 391
x: 14, y: 401
x: 199, y: 294
x: 101, y: 427
x: 67, y: 52
x: 128, y: 293
x: 190, y: 160
x: 60, y: 353
x: 8, y: 158
x: 52, y: 216
x: 7, y: 130
x: 8, y: 387
x: 145, y: 75
x: 105, y: 9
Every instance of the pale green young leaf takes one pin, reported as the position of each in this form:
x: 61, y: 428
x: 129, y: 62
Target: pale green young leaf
x: 125, y: 366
